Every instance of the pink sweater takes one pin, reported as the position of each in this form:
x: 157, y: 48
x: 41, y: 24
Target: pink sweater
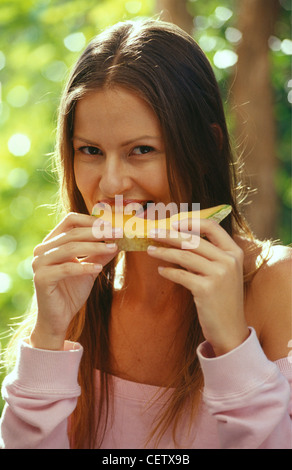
x: 246, y: 402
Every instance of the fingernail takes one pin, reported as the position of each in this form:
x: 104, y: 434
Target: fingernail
x: 191, y: 245
x: 157, y: 232
x: 98, y: 267
x: 175, y: 224
x: 111, y: 246
x: 151, y: 248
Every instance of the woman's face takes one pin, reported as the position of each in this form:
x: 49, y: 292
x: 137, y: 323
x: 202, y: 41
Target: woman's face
x: 118, y: 149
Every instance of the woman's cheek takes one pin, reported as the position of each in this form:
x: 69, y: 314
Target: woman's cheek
x: 86, y: 182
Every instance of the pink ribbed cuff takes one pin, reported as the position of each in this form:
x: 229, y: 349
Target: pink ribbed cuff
x: 237, y: 371
x: 40, y: 371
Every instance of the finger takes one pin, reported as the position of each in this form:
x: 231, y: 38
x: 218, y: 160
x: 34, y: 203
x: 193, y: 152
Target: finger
x: 184, y: 258
x: 190, y: 281
x: 53, y: 274
x: 212, y: 231
x: 175, y: 238
x: 188, y: 241
x: 77, y: 234
x: 72, y: 220
x: 72, y: 251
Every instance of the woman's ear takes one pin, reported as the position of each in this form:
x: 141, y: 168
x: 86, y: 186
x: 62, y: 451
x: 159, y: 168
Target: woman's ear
x: 218, y: 135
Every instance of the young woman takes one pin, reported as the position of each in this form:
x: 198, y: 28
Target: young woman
x: 192, y: 350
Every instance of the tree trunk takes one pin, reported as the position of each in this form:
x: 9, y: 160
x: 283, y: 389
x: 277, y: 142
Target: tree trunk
x: 175, y: 11
x: 253, y: 107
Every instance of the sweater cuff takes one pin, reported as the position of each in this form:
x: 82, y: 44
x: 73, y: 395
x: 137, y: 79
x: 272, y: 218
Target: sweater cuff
x: 45, y: 371
x: 237, y: 371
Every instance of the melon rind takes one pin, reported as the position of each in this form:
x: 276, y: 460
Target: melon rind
x: 220, y: 214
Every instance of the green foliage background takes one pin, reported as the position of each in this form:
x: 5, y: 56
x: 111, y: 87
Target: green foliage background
x: 39, y: 42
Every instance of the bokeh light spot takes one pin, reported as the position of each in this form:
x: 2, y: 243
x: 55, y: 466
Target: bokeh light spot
x: 19, y: 145
x: 5, y: 282
x: 75, y: 42
x: 225, y: 58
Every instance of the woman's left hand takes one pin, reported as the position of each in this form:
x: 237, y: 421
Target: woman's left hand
x: 211, y: 269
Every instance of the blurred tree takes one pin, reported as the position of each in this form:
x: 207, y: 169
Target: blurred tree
x: 176, y: 11
x: 253, y: 100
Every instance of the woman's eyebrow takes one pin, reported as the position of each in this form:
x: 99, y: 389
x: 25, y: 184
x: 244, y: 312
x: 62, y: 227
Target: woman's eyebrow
x: 86, y: 141
x: 124, y: 144
x: 142, y: 137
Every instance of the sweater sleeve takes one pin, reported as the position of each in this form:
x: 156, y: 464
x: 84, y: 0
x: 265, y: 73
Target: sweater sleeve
x: 40, y: 394
x: 249, y: 396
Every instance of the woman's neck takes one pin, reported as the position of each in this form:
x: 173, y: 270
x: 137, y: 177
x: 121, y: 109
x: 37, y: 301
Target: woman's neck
x: 147, y: 328
x: 145, y: 286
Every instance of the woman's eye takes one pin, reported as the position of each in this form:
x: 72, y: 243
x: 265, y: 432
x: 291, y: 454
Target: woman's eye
x: 90, y: 150
x: 142, y: 150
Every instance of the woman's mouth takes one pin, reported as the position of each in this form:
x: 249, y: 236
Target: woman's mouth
x: 127, y: 206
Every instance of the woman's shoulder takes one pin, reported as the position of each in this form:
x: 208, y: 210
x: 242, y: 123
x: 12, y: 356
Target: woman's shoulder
x: 265, y: 260
x: 269, y: 296
x: 275, y: 271
x: 274, y: 255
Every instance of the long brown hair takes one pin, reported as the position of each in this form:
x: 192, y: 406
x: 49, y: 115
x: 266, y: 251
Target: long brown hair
x: 166, y: 67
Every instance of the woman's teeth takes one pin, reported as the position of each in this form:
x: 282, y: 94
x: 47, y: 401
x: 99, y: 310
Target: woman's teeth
x: 131, y: 208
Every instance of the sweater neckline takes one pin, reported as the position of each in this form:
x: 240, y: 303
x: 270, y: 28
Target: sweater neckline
x: 131, y: 390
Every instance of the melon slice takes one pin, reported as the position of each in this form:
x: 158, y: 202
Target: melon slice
x: 136, y: 229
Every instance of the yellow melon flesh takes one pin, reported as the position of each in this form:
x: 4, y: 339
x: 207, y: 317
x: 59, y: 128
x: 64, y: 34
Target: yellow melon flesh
x: 136, y: 230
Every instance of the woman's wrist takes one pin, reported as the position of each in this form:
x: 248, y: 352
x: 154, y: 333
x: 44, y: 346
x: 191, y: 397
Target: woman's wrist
x: 231, y: 342
x: 43, y: 340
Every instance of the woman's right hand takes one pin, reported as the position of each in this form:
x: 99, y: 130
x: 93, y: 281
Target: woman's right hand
x: 65, y: 266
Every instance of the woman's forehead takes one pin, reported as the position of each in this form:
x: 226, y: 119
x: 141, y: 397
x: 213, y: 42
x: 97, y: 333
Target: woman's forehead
x: 116, y: 108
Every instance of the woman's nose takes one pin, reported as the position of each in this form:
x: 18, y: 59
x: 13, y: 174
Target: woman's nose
x: 115, y: 178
